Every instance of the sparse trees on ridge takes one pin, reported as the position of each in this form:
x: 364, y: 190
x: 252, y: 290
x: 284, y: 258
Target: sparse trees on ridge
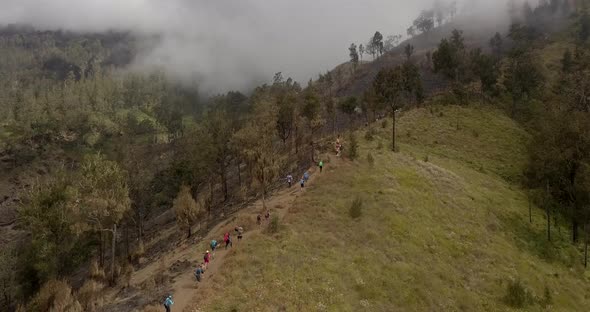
x: 371, y: 49
x: 391, y: 42
x: 377, y: 41
x: 396, y: 87
x: 361, y: 51
x: 388, y: 87
x: 409, y: 51
x: 496, y: 45
x: 354, y: 55
x: 411, y: 31
x: 425, y: 21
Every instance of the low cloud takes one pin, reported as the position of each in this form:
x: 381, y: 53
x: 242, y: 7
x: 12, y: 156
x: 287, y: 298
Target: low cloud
x: 230, y: 44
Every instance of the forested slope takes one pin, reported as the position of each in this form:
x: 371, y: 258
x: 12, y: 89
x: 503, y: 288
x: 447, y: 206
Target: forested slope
x: 475, y: 193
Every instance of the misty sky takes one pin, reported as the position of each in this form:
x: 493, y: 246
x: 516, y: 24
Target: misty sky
x: 229, y: 44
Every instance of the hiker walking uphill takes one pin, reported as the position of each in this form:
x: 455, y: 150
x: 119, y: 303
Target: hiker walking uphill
x: 190, y: 284
x: 227, y: 240
x: 240, y: 231
x: 199, y: 272
x: 168, y: 303
x: 306, y: 176
x: 289, y: 180
x: 207, y: 259
x: 213, y: 245
x: 321, y: 165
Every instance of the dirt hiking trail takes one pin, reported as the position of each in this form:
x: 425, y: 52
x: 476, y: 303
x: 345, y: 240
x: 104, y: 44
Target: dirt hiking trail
x: 182, y: 261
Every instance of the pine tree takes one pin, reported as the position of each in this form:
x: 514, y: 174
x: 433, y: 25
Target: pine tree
x: 186, y: 210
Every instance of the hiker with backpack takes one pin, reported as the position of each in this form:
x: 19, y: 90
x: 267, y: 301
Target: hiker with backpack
x: 213, y: 245
x: 240, y: 231
x: 302, y: 183
x: 306, y: 176
x: 207, y: 259
x: 289, y: 179
x: 227, y: 240
x: 168, y: 303
x: 321, y: 165
x: 198, y: 272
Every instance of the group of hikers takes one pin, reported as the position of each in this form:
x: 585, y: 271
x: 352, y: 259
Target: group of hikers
x: 227, y: 238
x: 207, y: 257
x: 304, y: 177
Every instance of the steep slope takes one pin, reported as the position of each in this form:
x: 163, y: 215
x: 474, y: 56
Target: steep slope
x: 442, y: 229
x: 477, y: 27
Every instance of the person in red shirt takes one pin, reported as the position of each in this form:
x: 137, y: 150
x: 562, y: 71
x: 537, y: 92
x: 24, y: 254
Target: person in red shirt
x: 227, y: 240
x: 207, y: 258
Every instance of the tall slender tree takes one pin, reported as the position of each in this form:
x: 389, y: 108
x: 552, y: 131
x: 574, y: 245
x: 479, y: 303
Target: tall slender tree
x: 389, y: 87
x: 354, y: 55
x: 104, y: 197
x: 257, y: 142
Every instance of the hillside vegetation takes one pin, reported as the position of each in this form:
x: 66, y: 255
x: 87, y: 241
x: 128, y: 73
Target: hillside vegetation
x: 468, y: 188
x: 442, y: 228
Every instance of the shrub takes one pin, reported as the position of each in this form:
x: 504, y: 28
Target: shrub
x: 55, y: 296
x: 356, y: 208
x: 153, y: 308
x: 274, y: 226
x: 96, y: 272
x: 547, y: 298
x: 149, y: 285
x: 517, y: 295
x: 160, y: 276
x: 380, y: 145
x: 90, y: 295
x: 353, y: 148
x: 138, y: 252
x: 384, y: 124
x: 370, y: 160
x: 426, y: 158
x: 370, y: 134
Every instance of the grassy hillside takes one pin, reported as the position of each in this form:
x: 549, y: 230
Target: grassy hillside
x: 442, y: 229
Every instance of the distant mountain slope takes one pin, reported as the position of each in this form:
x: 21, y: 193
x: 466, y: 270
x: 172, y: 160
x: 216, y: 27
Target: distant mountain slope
x: 478, y: 29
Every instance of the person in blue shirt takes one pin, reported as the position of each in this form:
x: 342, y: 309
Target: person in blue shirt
x: 199, y: 271
x: 168, y: 303
x: 306, y: 176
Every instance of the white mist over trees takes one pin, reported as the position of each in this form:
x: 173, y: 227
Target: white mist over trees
x: 231, y: 44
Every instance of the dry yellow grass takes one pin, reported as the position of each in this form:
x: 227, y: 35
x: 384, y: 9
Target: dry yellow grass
x: 443, y: 235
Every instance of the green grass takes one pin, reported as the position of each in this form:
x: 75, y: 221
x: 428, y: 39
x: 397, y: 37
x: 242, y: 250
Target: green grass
x: 444, y: 235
